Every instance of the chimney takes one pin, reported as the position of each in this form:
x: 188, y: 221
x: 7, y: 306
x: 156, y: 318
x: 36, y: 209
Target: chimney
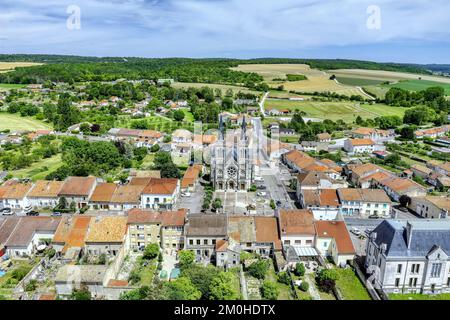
x: 409, y: 230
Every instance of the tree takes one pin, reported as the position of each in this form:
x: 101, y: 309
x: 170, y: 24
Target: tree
x: 182, y: 289
x: 186, y: 258
x: 299, y: 269
x: 259, y: 269
x: 163, y: 162
x: 178, y: 115
x: 62, y: 204
x: 269, y: 290
x: 283, y: 277
x: 81, y: 294
x: 304, y: 286
x: 404, y: 200
x: 221, y: 287
x: 227, y: 103
x: 136, y: 294
x: 155, y: 148
x: 151, y: 251
x: 407, y: 132
x: 201, y: 277
x: 326, y: 279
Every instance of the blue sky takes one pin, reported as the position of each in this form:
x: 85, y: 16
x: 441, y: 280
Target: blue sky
x: 411, y: 30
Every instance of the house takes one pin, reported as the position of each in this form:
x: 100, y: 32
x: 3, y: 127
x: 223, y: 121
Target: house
x: 106, y: 235
x: 316, y: 181
x: 432, y: 133
x: 323, y: 203
x: 78, y: 190
x: 410, y: 256
x: 182, y: 136
x: 273, y: 112
x: 70, y: 236
x: 275, y: 149
x: 421, y: 171
x: 296, y: 228
x: 160, y: 194
x: 323, y: 137
x: 190, y: 179
x: 44, y: 194
x: 358, y: 146
x: 165, y: 228
x: 70, y: 277
x: 202, y: 231
x: 102, y: 195
x: 126, y: 197
x: 7, y: 227
x: 440, y: 168
x: 301, y: 162
x: 431, y: 207
x: 396, y: 187
x: 364, y: 202
x: 443, y: 183
x: 29, y: 234
x: 255, y: 234
x: 14, y: 194
x: 227, y: 253
x: 314, y: 146
x: 287, y: 132
x: 333, y: 240
x: 372, y: 134
x: 362, y: 174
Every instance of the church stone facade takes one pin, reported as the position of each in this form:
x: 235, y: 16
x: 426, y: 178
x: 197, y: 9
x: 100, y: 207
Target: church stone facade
x: 232, y: 165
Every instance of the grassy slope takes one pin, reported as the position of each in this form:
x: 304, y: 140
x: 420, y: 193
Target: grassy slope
x: 350, y: 286
x: 39, y: 170
x: 418, y: 85
x: 15, y: 122
x: 11, y: 86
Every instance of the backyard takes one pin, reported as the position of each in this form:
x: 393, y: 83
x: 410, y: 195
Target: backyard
x: 16, y: 272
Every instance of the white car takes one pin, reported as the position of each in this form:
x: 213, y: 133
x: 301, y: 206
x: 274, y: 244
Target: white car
x: 261, y: 193
x: 259, y: 179
x: 356, y: 231
x: 186, y: 194
x: 7, y: 212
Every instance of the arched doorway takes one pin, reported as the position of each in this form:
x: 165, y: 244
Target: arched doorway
x: 231, y: 185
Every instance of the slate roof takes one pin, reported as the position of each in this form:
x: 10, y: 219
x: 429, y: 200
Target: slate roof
x: 425, y: 235
x: 206, y: 225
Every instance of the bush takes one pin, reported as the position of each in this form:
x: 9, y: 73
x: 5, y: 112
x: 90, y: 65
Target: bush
x: 259, y: 269
x: 151, y: 251
x: 51, y: 253
x: 20, y: 272
x: 299, y: 269
x: 326, y: 279
x: 31, y: 286
x: 269, y: 290
x: 283, y: 277
x: 304, y: 286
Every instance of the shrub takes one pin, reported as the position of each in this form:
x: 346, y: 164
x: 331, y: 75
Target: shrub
x: 20, y: 273
x: 258, y: 269
x: 31, y: 286
x: 51, y: 253
x: 269, y: 290
x: 299, y: 269
x: 151, y: 251
x: 326, y: 279
x: 283, y: 277
x: 304, y: 286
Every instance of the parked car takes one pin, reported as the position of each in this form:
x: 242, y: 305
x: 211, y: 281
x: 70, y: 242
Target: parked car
x: 356, y: 231
x: 6, y: 212
x: 374, y: 216
x: 261, y: 187
x: 32, y: 213
x: 261, y: 193
x: 56, y: 214
x: 259, y: 179
x: 186, y: 194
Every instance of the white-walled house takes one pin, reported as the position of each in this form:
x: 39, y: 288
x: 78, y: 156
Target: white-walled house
x: 333, y: 240
x: 296, y: 228
x: 44, y: 194
x: 78, y: 190
x: 358, y: 146
x: 410, y: 256
x: 160, y: 194
x: 364, y: 202
x: 323, y: 203
x: 14, y: 194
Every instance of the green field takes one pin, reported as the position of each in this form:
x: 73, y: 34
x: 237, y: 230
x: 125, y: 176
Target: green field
x: 350, y: 286
x: 377, y: 91
x: 418, y: 85
x: 11, y: 86
x: 40, y: 169
x: 360, y: 82
x: 222, y: 87
x: 15, y: 122
x: 159, y: 123
x: 347, y: 111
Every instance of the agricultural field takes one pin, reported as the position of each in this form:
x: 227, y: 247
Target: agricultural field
x: 347, y: 111
x: 159, y: 123
x: 14, y: 122
x: 222, y: 87
x: 9, y: 66
x: 317, y: 80
x: 357, y: 81
x: 9, y: 86
x: 377, y: 91
x: 418, y: 85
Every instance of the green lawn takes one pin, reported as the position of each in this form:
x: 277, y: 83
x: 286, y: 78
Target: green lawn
x: 284, y: 290
x: 158, y: 123
x: 413, y: 296
x: 350, y: 286
x: 40, y: 169
x: 11, y: 86
x: 15, y: 122
x: 8, y: 283
x: 418, y: 85
x: 293, y: 139
x: 188, y: 116
x: 377, y: 91
x: 384, y: 110
x: 323, y: 295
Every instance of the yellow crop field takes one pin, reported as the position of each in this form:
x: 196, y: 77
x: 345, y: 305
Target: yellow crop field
x: 317, y: 80
x: 9, y: 66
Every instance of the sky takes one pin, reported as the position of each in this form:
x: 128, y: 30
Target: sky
x: 410, y: 31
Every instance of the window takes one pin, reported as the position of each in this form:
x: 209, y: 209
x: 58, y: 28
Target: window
x: 399, y: 268
x: 412, y: 282
x: 397, y: 282
x: 436, y: 270
x: 287, y: 242
x: 198, y: 242
x: 448, y: 282
x: 298, y: 241
x: 308, y: 241
x: 415, y: 267
x: 205, y: 242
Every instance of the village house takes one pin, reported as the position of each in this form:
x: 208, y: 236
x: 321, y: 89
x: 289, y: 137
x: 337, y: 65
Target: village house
x: 317, y: 181
x: 13, y: 194
x: 126, y: 197
x: 202, y: 231
x: 102, y: 195
x: 78, y: 190
x: 296, y: 228
x: 364, y: 202
x: 314, y: 146
x: 333, y: 240
x: 323, y: 137
x: 372, y: 134
x: 87, y: 276
x: 44, y: 194
x: 440, y: 168
x: 70, y: 236
x: 421, y: 171
x: 106, y: 235
x: 182, y: 136
x: 7, y: 227
x: 287, y: 132
x: 323, y: 203
x: 160, y: 194
x: 359, y: 146
x: 301, y: 162
x: 29, y: 234
x: 362, y: 175
x: 410, y: 256
x: 396, y: 187
x: 191, y: 178
x: 432, y: 133
x: 431, y: 207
